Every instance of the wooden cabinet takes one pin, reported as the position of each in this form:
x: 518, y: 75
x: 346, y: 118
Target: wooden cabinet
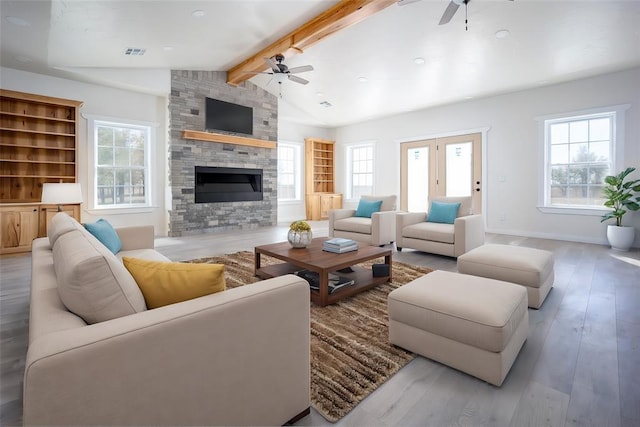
x: 320, y: 178
x: 38, y: 144
x: 18, y: 227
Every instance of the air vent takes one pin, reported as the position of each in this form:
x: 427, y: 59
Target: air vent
x: 325, y: 104
x: 134, y: 51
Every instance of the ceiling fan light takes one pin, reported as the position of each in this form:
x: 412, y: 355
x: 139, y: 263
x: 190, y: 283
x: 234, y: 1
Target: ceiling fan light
x: 502, y: 34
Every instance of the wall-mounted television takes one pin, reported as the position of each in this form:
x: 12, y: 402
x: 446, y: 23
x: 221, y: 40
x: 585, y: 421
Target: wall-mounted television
x: 226, y: 116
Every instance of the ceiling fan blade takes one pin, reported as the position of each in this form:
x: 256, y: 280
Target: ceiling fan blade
x: 405, y: 2
x: 297, y: 79
x: 301, y: 69
x: 451, y: 10
x: 272, y: 64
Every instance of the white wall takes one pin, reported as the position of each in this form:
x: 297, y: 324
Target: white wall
x: 512, y: 149
x: 110, y: 102
x: 292, y: 129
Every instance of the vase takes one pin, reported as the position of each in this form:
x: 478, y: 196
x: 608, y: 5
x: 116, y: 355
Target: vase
x: 620, y: 237
x: 299, y: 239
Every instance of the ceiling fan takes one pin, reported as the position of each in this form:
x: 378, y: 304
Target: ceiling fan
x: 281, y: 72
x: 449, y: 12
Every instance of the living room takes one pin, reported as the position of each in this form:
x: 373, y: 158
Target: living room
x: 513, y: 165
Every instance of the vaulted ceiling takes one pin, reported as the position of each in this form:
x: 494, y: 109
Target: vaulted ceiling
x: 399, y: 59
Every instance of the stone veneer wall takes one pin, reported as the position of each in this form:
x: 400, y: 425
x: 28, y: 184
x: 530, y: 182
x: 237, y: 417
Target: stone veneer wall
x: 186, y: 110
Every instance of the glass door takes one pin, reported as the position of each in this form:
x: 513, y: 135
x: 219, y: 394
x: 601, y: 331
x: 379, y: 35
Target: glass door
x: 450, y: 166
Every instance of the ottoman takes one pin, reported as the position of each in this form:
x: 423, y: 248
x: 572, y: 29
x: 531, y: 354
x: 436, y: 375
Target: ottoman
x: 472, y: 324
x: 531, y: 268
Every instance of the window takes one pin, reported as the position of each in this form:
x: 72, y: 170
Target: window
x: 360, y: 170
x: 120, y: 157
x: 289, y: 170
x: 580, y: 151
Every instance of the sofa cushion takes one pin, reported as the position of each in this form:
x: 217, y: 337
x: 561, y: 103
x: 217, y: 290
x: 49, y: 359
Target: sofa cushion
x: 92, y: 282
x: 388, y: 202
x: 432, y: 231
x: 366, y: 208
x: 444, y: 213
x: 466, y: 204
x: 164, y: 283
x: 105, y: 233
x: 354, y: 224
x: 61, y: 223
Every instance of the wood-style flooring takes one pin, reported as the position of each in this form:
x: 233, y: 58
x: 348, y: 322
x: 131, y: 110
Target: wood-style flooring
x: 579, y: 366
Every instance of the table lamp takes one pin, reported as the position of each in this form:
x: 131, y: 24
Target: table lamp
x: 61, y: 194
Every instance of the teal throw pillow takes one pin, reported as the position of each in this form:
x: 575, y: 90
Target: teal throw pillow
x: 445, y: 213
x: 106, y: 234
x: 366, y: 208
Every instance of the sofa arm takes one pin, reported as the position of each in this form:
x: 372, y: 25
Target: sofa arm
x: 336, y: 214
x: 383, y: 227
x: 404, y: 219
x: 469, y: 233
x: 136, y: 237
x: 238, y: 357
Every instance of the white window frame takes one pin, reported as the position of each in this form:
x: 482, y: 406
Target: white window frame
x: 93, y: 122
x: 297, y: 170
x: 349, y: 169
x: 616, y: 155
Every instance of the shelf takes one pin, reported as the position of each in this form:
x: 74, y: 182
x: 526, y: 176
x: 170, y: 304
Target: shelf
x: 31, y: 116
x: 4, y: 144
x: 38, y: 132
x: 227, y: 139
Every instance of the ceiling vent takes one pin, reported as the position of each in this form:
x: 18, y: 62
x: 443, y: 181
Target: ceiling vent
x: 325, y: 104
x: 134, y: 51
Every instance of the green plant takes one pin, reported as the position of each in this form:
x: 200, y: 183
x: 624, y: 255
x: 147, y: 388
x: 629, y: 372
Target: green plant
x: 300, y: 225
x: 620, y: 195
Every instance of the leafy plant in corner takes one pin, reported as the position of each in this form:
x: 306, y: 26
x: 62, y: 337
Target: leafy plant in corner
x: 620, y: 195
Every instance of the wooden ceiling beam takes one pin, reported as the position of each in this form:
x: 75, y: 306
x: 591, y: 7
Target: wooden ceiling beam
x: 340, y: 16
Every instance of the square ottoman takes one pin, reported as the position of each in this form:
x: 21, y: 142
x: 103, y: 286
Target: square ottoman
x: 529, y: 267
x: 472, y: 324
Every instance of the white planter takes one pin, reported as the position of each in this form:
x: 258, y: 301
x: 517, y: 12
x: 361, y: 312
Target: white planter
x: 620, y: 237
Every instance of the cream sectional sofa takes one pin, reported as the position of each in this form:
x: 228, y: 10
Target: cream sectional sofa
x: 237, y: 357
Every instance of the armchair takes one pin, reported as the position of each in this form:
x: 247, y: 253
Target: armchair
x: 467, y: 231
x: 377, y: 230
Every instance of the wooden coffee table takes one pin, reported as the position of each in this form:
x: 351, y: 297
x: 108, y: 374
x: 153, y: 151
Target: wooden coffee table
x: 315, y: 259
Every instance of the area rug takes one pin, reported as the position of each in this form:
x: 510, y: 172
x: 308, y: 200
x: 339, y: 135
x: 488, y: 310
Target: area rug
x: 350, y: 351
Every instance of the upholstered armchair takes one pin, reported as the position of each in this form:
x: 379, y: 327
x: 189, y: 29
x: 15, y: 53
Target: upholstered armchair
x: 443, y: 230
x: 366, y: 224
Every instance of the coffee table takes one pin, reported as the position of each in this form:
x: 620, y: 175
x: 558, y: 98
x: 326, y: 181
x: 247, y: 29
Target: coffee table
x: 315, y: 259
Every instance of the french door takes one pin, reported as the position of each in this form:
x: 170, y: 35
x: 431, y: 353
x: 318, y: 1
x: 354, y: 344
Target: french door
x: 450, y: 166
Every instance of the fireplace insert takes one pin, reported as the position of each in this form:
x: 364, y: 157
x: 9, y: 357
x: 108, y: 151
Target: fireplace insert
x: 215, y: 184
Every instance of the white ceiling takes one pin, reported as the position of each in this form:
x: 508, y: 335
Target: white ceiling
x: 549, y: 42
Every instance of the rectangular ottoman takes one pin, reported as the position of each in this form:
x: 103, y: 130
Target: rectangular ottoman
x: 529, y: 267
x: 472, y: 324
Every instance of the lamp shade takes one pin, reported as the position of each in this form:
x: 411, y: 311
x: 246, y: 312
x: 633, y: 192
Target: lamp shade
x: 61, y: 194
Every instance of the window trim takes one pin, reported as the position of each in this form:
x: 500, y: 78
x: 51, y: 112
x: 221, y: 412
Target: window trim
x: 349, y: 167
x: 619, y: 112
x: 298, y: 173
x: 93, y: 208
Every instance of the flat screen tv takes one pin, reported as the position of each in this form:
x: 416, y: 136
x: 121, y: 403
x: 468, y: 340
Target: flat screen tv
x: 221, y: 115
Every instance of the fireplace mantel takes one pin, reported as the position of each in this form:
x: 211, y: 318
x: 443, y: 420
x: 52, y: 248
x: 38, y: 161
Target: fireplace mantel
x: 227, y: 139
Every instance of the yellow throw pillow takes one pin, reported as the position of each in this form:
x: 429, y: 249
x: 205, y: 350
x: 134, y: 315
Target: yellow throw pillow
x: 164, y: 283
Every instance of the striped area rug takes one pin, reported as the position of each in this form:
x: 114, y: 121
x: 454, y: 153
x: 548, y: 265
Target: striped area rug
x: 350, y: 351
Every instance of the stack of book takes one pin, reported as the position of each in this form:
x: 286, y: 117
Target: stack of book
x: 339, y: 245
x: 335, y: 282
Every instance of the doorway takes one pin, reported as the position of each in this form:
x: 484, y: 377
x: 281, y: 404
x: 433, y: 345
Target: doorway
x: 449, y: 166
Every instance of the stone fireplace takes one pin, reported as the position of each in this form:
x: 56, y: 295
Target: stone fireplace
x: 186, y: 108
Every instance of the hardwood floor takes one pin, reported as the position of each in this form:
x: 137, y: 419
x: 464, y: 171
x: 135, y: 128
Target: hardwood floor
x: 580, y: 365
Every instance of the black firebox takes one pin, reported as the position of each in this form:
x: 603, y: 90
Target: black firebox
x: 214, y: 184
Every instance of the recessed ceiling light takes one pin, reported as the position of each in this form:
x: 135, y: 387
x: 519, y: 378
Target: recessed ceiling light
x: 502, y: 34
x: 319, y: 94
x: 419, y: 61
x: 362, y: 79
x: 198, y: 13
x: 17, y: 21
x: 325, y: 104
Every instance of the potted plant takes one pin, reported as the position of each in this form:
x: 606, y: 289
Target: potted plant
x: 300, y: 234
x: 620, y: 194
